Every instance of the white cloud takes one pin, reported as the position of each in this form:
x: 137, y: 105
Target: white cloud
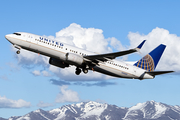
x: 8, y: 103
x: 170, y: 57
x: 27, y: 58
x: 45, y: 73
x: 36, y: 73
x: 41, y: 104
x: 90, y: 38
x: 116, y: 44
x: 67, y: 95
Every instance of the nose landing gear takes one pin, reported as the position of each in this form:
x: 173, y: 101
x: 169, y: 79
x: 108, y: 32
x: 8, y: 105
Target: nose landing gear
x: 18, y: 47
x: 18, y: 52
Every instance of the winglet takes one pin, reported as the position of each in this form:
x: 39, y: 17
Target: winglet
x: 140, y: 45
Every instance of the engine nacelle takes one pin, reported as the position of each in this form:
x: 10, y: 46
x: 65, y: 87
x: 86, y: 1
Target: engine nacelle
x: 58, y: 63
x: 74, y: 59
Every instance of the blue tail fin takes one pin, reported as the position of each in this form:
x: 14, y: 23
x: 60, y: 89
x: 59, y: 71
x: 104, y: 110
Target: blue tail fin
x: 150, y: 61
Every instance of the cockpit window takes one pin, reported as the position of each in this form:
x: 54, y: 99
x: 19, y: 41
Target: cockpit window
x: 17, y: 34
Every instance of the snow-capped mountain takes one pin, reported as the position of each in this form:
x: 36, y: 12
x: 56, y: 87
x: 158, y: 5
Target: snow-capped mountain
x: 90, y: 110
x: 149, y: 110
x: 152, y: 110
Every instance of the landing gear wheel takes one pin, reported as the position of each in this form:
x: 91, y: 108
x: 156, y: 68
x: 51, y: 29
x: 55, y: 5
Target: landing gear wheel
x: 85, y: 71
x: 18, y: 52
x: 78, y: 71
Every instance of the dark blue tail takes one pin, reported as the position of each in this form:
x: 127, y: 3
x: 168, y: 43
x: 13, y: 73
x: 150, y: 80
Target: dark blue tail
x: 150, y: 61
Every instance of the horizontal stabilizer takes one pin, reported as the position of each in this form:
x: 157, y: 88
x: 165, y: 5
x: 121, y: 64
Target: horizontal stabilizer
x: 154, y: 73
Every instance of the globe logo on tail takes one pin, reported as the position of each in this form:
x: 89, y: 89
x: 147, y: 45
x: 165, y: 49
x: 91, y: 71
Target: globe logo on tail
x: 146, y: 63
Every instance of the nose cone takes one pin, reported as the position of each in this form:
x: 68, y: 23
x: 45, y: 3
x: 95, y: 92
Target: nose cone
x: 7, y: 36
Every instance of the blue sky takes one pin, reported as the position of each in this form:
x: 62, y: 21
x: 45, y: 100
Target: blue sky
x: 26, y: 85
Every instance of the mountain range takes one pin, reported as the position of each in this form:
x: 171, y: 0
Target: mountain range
x: 149, y: 110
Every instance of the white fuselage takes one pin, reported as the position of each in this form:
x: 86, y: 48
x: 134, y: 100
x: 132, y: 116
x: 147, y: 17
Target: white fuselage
x: 58, y: 50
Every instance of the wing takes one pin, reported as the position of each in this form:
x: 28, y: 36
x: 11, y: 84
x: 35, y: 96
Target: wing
x: 109, y: 56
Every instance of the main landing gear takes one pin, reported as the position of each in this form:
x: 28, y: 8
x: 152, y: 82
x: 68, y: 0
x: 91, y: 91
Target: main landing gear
x: 85, y: 70
x: 78, y: 71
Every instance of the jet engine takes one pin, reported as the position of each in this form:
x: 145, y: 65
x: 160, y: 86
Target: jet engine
x: 58, y: 63
x: 74, y: 59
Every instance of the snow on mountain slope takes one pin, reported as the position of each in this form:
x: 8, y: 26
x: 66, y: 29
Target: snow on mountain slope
x: 81, y: 109
x: 93, y: 108
x: 149, y: 110
x: 37, y: 115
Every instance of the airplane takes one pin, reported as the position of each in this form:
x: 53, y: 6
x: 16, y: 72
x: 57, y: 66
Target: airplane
x: 63, y: 55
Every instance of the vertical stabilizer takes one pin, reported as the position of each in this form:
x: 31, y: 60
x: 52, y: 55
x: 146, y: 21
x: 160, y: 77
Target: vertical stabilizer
x: 150, y: 61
